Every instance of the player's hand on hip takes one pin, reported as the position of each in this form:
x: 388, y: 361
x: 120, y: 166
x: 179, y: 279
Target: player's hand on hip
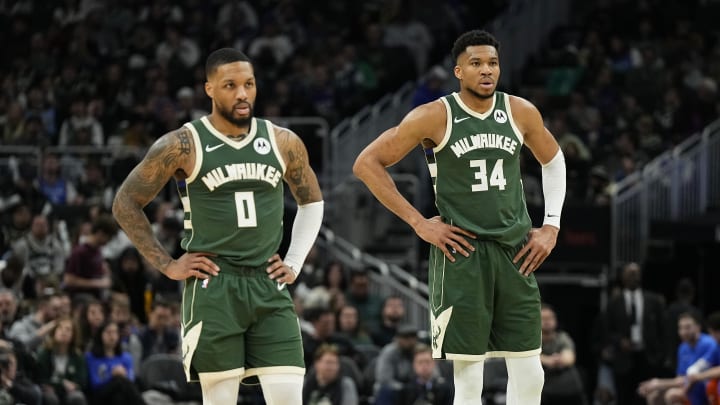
x: 279, y: 271
x: 540, y: 243
x: 448, y: 238
x: 194, y: 264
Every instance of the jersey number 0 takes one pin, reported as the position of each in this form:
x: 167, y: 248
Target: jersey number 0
x: 245, y: 204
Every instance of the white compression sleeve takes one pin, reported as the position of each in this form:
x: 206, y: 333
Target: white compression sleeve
x: 304, y: 231
x: 553, y: 184
x: 525, y: 380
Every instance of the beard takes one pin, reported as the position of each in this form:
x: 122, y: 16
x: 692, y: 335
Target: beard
x: 238, y: 122
x: 481, y: 96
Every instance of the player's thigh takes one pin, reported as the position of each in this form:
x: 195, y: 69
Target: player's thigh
x: 516, y: 317
x: 213, y: 324
x: 461, y: 304
x: 274, y: 338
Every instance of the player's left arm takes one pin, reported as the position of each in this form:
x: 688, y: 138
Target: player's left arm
x: 304, y: 186
x: 547, y: 151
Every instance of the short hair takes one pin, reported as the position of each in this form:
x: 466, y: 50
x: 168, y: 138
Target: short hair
x: 691, y: 315
x: 223, y: 56
x: 324, y: 349
x: 422, y: 348
x: 473, y: 38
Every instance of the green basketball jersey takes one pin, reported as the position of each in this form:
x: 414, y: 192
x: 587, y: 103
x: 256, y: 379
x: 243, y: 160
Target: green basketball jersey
x: 476, y: 171
x: 233, y: 199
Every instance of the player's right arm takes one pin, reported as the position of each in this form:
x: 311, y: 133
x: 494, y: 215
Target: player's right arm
x: 172, y: 154
x: 422, y: 124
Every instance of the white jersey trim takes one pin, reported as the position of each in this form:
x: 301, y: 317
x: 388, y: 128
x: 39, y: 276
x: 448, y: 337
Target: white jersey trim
x: 274, y: 370
x: 273, y: 143
x: 226, y: 139
x: 448, y: 126
x: 198, y: 153
x: 515, y: 128
x: 494, y: 354
x: 472, y: 112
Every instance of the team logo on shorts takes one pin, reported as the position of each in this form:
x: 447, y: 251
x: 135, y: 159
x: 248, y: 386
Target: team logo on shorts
x: 205, y: 283
x: 262, y: 146
x: 500, y: 116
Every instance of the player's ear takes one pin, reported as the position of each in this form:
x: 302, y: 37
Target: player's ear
x: 209, y: 89
x: 458, y: 72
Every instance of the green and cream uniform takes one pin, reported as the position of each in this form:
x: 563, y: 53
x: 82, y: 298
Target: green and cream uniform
x: 481, y: 305
x: 239, y: 322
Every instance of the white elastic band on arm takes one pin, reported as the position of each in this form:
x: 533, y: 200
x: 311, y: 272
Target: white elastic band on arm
x: 553, y: 184
x: 699, y: 366
x: 304, y: 232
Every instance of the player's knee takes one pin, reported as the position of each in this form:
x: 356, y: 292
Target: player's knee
x: 468, y: 381
x: 282, y: 389
x: 526, y: 378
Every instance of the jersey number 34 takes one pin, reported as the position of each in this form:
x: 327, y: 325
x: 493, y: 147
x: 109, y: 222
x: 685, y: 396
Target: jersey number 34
x: 497, y: 177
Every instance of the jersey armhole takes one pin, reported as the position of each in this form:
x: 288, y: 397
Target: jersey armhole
x: 515, y: 128
x: 448, y: 126
x: 198, y: 153
x: 273, y: 142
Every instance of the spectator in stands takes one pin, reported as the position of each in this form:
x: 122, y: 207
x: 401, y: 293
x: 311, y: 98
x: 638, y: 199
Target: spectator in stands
x: 111, y: 371
x: 12, y: 125
x: 683, y: 303
x: 159, y: 336
x: 349, y: 326
x: 428, y: 386
x: 127, y: 327
x: 323, y: 322
x: 186, y: 106
x: 131, y: 278
x: 89, y: 317
x: 34, y: 327
x: 394, y: 366
x: 11, y: 273
x: 8, y: 308
x: 563, y: 384
x: 694, y: 346
x: 393, y: 312
x: 43, y: 254
x: 93, y: 187
x: 707, y: 369
x: 81, y: 128
x: 431, y: 88
x: 62, y: 372
x: 56, y: 188
x: 15, y: 388
x: 86, y: 270
x: 20, y: 222
x: 636, y: 335
x: 325, y: 385
x: 368, y: 304
x: 39, y: 107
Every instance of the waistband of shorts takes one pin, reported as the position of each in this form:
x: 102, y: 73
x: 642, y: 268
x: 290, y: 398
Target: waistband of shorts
x: 247, y: 271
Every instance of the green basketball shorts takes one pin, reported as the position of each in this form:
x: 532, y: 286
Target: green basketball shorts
x: 481, y: 306
x: 239, y: 324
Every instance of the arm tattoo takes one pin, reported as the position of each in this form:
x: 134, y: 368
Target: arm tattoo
x: 141, y: 187
x: 300, y: 176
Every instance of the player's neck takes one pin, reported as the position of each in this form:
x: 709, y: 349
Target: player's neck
x: 225, y: 127
x: 477, y: 104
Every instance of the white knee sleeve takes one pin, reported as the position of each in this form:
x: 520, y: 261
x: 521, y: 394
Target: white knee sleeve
x: 282, y: 389
x: 468, y: 381
x: 218, y: 389
x: 525, y: 380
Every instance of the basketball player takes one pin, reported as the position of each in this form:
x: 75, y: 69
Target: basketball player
x: 238, y: 318
x: 484, y: 299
